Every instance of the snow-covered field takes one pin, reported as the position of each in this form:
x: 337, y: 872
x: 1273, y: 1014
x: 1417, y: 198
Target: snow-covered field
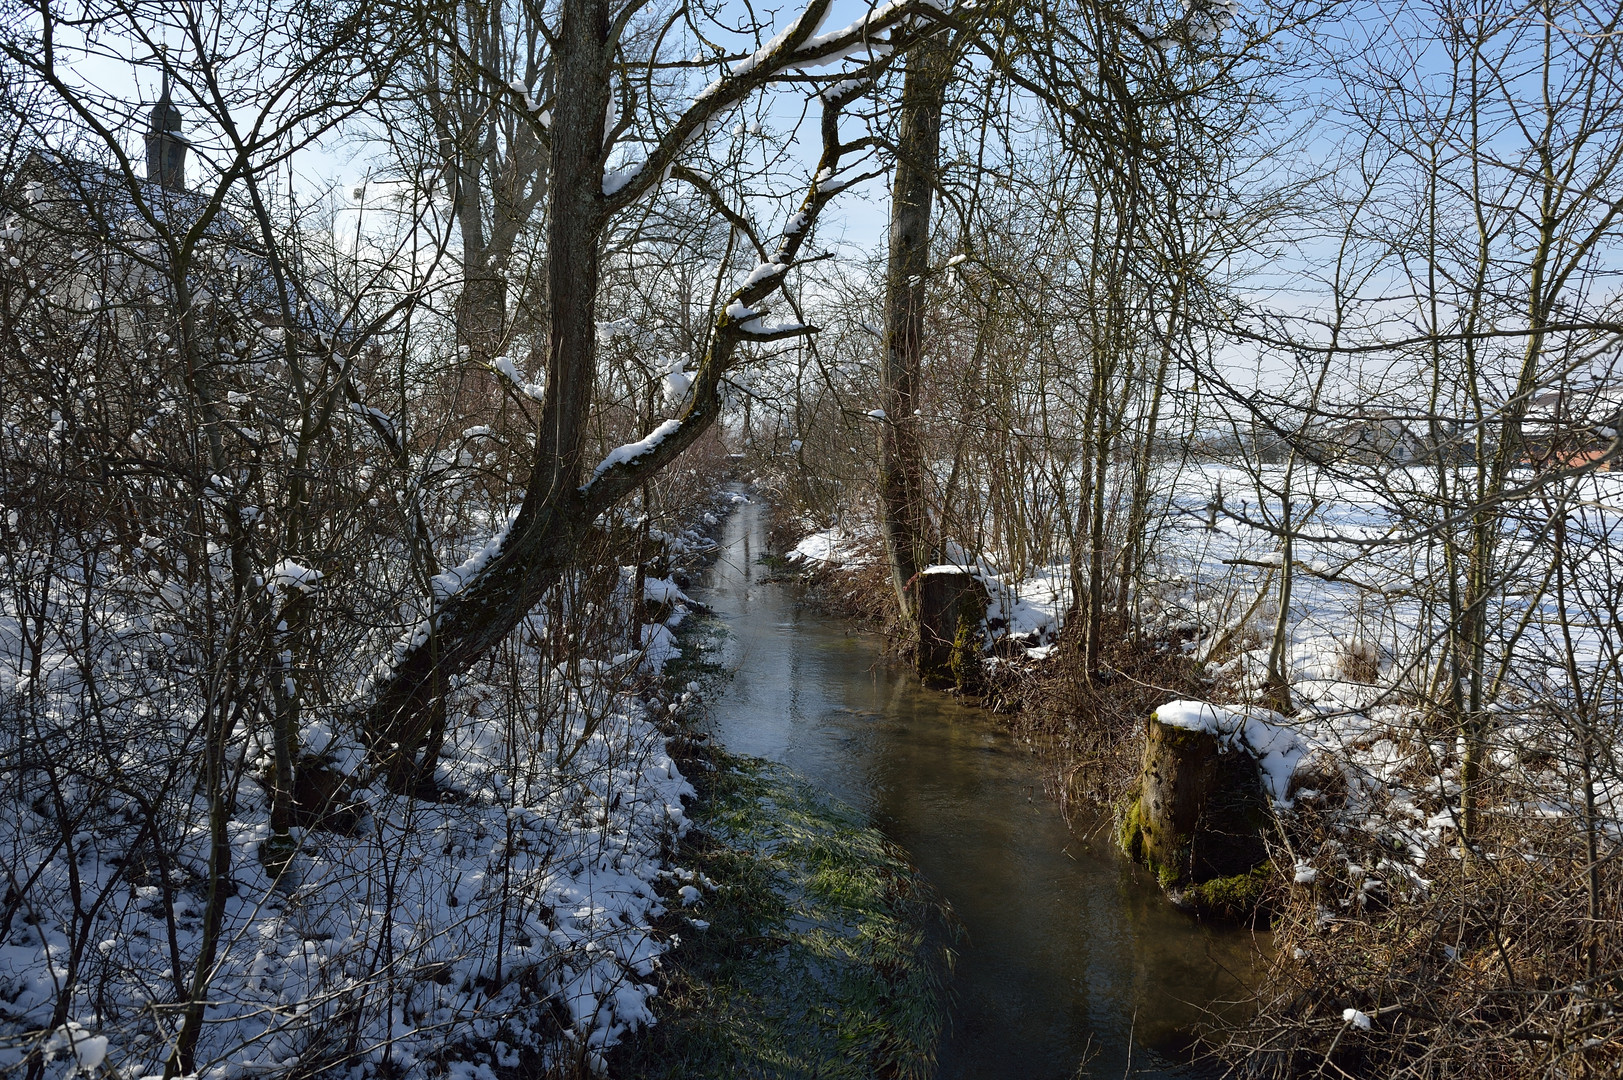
x: 1366, y: 626
x: 1364, y: 629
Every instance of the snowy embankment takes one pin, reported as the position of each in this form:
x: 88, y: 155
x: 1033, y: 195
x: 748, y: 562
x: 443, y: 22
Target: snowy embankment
x: 1026, y: 610
x: 514, y: 921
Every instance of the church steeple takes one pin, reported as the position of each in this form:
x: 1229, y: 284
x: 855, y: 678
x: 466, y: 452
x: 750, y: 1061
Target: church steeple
x: 166, y: 146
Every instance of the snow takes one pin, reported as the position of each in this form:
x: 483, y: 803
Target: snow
x: 504, y: 366
x: 1355, y: 637
x: 518, y: 87
x: 1356, y: 1018
x: 762, y: 272
x: 804, y: 23
x: 755, y: 327
x: 829, y: 547
x: 616, y: 179
x: 288, y: 574
x: 1259, y: 732
x: 537, y: 883
x: 663, y: 591
x: 630, y: 452
x: 88, y: 1051
x: 858, y: 34
x: 448, y: 583
x: 678, y: 382
x: 842, y: 87
x: 378, y: 415
x: 1025, y: 608
x: 876, y: 414
x: 286, y: 951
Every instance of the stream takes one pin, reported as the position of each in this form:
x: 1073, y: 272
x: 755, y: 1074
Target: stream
x: 1069, y: 951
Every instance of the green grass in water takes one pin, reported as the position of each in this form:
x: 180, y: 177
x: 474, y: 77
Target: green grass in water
x: 826, y: 954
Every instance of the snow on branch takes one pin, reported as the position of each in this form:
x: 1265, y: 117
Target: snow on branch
x: 756, y: 330
x: 291, y: 576
x: 859, y: 35
x: 444, y: 586
x: 739, y: 322
x: 376, y: 417
x: 632, y: 451
x: 504, y: 366
x: 450, y: 582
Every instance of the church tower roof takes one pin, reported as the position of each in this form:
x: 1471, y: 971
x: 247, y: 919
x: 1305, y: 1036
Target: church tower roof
x: 166, y: 146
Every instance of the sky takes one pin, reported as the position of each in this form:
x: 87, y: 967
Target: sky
x: 119, y: 71
x: 1281, y: 276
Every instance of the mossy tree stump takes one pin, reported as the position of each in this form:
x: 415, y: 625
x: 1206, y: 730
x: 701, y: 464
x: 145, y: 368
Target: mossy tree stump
x: 951, y: 605
x: 1199, y: 817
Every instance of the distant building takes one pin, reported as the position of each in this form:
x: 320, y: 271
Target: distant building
x: 1377, y: 437
x: 1573, y: 425
x: 103, y: 238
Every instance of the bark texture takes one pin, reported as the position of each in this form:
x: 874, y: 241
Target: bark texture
x: 902, y: 518
x: 951, y: 611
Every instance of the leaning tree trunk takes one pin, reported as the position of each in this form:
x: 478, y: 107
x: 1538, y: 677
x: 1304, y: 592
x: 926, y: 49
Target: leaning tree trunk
x: 902, y: 518
x: 406, y: 703
x: 551, y: 520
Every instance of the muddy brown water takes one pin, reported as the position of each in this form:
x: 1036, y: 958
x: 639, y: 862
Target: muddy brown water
x: 1070, y: 952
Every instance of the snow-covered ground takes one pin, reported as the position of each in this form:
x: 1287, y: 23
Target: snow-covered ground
x: 832, y: 546
x: 510, y: 921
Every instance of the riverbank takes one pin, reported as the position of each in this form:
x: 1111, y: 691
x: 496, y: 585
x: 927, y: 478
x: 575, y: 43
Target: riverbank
x: 1399, y: 949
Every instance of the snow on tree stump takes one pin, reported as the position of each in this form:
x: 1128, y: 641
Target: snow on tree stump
x: 951, y: 605
x: 1200, y: 815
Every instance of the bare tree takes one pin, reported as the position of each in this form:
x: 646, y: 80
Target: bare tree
x: 558, y: 507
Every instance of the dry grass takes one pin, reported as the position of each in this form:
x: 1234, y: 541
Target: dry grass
x: 1493, y: 969
x: 1094, y: 728
x: 1358, y: 662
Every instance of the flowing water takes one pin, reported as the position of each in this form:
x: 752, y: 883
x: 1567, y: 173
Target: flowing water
x: 1070, y: 952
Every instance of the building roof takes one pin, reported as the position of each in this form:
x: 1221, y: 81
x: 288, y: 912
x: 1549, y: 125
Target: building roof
x: 136, y: 220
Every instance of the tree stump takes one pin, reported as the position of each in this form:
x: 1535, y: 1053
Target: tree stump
x: 951, y: 605
x: 1199, y: 818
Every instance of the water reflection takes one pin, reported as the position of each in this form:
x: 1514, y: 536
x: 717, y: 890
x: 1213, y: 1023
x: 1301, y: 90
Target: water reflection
x: 1070, y: 951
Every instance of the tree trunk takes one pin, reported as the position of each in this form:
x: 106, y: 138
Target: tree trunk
x: 558, y: 510
x: 551, y: 520
x: 951, y: 610
x: 1201, y: 813
x: 902, y: 518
